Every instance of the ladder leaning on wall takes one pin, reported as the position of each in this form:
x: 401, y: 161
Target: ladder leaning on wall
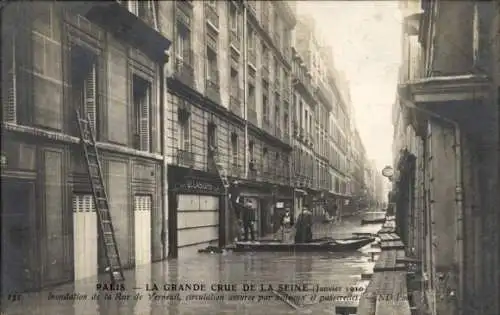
x: 107, y: 233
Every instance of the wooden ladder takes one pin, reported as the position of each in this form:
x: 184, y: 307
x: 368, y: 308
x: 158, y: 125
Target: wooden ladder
x: 101, y: 201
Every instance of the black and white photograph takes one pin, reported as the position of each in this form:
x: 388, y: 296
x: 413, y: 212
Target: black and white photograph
x: 250, y: 157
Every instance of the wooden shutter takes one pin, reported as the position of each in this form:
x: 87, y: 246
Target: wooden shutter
x: 90, y: 97
x: 9, y: 87
x: 83, y: 203
x: 144, y: 122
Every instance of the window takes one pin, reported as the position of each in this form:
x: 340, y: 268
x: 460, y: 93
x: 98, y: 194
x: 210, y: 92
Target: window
x: 265, y: 108
x: 235, y: 84
x: 285, y: 122
x: 277, y: 116
x: 211, y: 137
x: 234, y: 148
x: 141, y: 90
x: 212, y: 70
x: 212, y: 3
x: 251, y: 38
x: 251, y: 150
x: 265, y: 162
x: 184, y: 125
x: 277, y: 164
x: 251, y: 97
x: 265, y: 56
x: 183, y: 43
x: 84, y: 85
x: 306, y: 120
x: 233, y: 18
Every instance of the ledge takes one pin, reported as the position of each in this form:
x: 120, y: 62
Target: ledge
x: 65, y: 138
x: 440, y: 89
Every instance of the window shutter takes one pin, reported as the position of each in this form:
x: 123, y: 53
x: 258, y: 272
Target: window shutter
x: 90, y: 97
x: 144, y: 123
x: 9, y: 97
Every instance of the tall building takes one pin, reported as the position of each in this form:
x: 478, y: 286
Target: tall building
x: 58, y: 58
x: 228, y: 110
x: 446, y: 154
x: 321, y: 124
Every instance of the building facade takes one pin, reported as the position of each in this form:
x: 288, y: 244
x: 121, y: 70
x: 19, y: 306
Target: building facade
x: 446, y: 154
x: 58, y: 58
x: 321, y: 124
x: 228, y: 108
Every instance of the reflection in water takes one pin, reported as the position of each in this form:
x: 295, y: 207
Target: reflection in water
x: 326, y: 269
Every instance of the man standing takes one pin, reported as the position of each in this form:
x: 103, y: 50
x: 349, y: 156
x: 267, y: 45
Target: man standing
x: 248, y: 217
x: 303, y: 227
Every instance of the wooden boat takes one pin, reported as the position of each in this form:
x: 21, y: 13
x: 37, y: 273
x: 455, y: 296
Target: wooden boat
x: 373, y: 217
x: 317, y: 245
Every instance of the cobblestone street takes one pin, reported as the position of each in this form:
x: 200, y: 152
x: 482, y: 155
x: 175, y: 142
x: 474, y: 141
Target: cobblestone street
x: 324, y: 269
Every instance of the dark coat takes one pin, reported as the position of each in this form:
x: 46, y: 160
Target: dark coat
x: 247, y: 214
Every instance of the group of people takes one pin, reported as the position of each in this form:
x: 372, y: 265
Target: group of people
x: 283, y: 222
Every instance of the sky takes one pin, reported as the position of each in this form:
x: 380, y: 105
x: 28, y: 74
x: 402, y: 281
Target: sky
x: 365, y: 37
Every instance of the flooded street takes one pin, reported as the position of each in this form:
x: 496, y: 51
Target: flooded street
x: 232, y: 270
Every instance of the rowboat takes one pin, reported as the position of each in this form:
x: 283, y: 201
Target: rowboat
x: 317, y: 245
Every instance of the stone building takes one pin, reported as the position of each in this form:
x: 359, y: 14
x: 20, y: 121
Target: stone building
x: 321, y: 123
x: 446, y: 154
x: 228, y: 108
x: 58, y: 58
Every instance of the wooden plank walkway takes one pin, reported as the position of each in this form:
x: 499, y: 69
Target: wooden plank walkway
x: 386, y: 294
x: 387, y: 261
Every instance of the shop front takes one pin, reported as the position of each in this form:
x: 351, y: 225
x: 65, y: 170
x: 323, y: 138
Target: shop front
x: 267, y: 200
x: 196, y: 212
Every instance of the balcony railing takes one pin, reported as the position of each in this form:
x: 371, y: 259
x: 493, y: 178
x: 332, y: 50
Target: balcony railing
x: 185, y: 158
x: 184, y: 70
x: 252, y: 114
x: 234, y: 40
x: 211, y: 15
x: 252, y: 57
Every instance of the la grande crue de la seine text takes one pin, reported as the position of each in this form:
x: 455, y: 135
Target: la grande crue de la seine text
x: 229, y: 287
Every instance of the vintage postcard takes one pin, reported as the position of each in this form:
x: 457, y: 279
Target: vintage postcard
x: 250, y: 157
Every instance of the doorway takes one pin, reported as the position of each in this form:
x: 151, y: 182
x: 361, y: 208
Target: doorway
x: 17, y: 236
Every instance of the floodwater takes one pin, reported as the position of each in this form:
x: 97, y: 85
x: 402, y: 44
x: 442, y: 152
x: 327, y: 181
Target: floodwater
x: 338, y: 274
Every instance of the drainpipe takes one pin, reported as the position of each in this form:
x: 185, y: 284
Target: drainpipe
x: 458, y: 192
x: 164, y: 174
x: 245, y: 92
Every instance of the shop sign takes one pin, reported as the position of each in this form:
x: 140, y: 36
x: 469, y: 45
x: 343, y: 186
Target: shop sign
x: 198, y: 186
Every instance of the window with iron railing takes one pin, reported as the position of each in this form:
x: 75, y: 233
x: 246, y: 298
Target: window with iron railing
x: 233, y: 18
